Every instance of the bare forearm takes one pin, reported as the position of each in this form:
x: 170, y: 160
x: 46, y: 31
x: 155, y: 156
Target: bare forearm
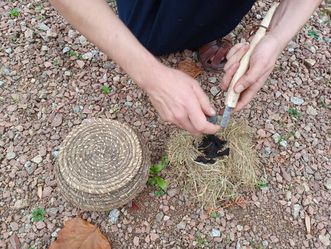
x: 95, y: 20
x: 289, y: 17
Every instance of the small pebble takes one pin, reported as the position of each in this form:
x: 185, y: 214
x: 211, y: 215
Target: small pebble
x: 215, y: 232
x: 10, y: 155
x: 297, y: 100
x: 114, y: 215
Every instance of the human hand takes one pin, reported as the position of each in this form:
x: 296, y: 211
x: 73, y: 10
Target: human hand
x: 261, y: 63
x: 180, y: 100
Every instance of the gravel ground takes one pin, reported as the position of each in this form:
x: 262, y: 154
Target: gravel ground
x: 51, y: 79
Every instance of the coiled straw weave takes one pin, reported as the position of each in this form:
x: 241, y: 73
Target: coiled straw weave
x: 102, y: 165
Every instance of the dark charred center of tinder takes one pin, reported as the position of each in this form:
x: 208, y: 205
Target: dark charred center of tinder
x: 212, y: 148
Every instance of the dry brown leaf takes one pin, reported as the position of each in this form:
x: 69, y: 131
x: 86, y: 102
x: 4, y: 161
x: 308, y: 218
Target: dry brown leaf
x: 190, y: 68
x: 40, y: 191
x: 80, y: 234
x: 307, y: 222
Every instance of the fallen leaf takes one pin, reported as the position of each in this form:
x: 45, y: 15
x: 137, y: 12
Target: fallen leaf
x: 190, y: 68
x: 307, y: 222
x: 40, y: 191
x: 80, y: 234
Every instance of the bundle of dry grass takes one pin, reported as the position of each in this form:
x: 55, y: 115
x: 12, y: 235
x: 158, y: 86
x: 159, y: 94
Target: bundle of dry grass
x: 222, y: 181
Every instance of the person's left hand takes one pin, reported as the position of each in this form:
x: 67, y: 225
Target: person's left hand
x: 261, y: 63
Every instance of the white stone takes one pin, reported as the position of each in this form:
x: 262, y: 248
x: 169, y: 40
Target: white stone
x: 114, y: 215
x: 215, y: 232
x: 297, y: 100
x: 296, y: 210
x: 37, y: 159
x: 11, y: 155
x: 311, y: 111
x: 42, y: 26
x: 327, y: 184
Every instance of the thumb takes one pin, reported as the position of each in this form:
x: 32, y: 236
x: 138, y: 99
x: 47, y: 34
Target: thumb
x: 204, y: 101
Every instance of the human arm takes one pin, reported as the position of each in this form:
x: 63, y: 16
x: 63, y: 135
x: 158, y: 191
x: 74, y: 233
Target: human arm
x: 289, y: 17
x: 177, y: 97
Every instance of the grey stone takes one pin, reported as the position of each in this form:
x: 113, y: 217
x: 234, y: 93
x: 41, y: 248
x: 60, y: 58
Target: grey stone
x: 78, y: 108
x: 42, y: 26
x: 172, y: 192
x: 325, y: 239
x: 159, y: 217
x: 1, y: 83
x: 10, y: 155
x: 128, y: 103
x: 214, y: 90
x: 20, y: 204
x: 82, y: 40
x: 265, y: 243
x: 8, y: 50
x: 276, y: 137
x: 181, y: 225
x: 212, y: 80
x: 283, y: 143
x: 311, y: 111
x: 5, y: 71
x: 37, y: 159
x: 55, y: 153
x: 297, y: 100
x: 309, y: 62
x: 327, y: 184
x: 87, y: 56
x: 114, y: 215
x: 215, y: 232
x: 52, y: 211
x: 29, y: 167
x: 296, y: 210
x: 65, y: 50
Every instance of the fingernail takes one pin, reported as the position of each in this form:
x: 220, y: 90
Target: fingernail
x: 239, y: 89
x: 212, y: 112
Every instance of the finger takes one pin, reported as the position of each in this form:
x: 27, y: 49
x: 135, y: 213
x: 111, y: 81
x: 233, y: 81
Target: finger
x: 245, y: 98
x: 236, y: 57
x: 198, y: 118
x: 187, y: 125
x: 255, y: 71
x: 203, y: 100
x: 228, y: 76
x: 234, y: 50
x: 250, y: 93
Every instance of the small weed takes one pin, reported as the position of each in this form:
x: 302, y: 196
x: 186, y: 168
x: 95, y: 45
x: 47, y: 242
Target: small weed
x: 313, y: 33
x: 105, y: 89
x: 262, y: 184
x: 72, y: 53
x: 31, y: 247
x: 156, y: 180
x: 15, y: 12
x: 214, y: 214
x: 39, y: 8
x: 294, y: 113
x: 323, y: 104
x: 41, y: 17
x: 38, y: 214
x: 201, y: 242
x: 56, y: 62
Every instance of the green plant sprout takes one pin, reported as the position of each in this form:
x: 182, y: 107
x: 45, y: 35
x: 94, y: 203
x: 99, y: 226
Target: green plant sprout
x: 313, y: 33
x: 294, y: 113
x: 156, y: 180
x: 15, y: 12
x: 105, y: 89
x: 262, y: 184
x: 214, y: 214
x: 38, y: 214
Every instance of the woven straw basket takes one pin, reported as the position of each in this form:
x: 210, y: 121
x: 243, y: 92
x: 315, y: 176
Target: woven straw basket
x: 102, y: 164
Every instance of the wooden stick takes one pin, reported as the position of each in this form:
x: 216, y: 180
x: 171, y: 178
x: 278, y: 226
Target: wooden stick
x: 232, y: 97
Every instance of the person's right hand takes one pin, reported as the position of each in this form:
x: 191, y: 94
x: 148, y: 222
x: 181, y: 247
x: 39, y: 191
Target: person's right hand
x: 180, y: 100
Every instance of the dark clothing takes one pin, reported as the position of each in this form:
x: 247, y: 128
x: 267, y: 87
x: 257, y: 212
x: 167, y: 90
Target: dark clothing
x: 166, y: 26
